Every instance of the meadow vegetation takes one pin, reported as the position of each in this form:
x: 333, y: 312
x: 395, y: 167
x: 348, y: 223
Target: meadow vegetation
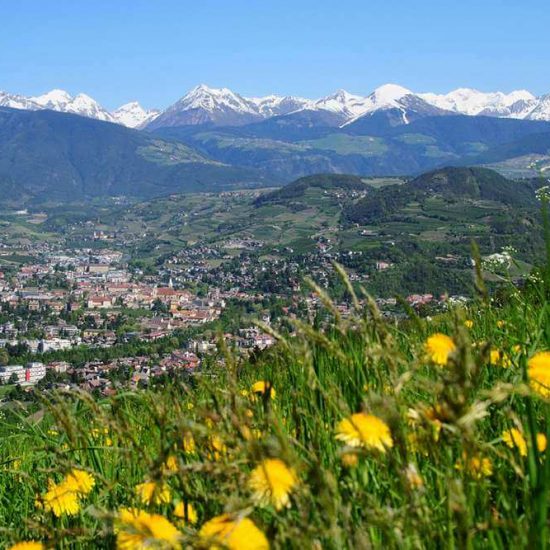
x: 360, y: 433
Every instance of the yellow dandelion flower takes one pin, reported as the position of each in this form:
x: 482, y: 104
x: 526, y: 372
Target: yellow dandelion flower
x: 28, y: 545
x: 272, y: 482
x: 499, y: 359
x: 365, y: 430
x: 61, y: 500
x: 188, y: 444
x: 468, y: 323
x: 186, y: 513
x: 514, y: 439
x: 476, y: 466
x: 217, y: 448
x: 137, y: 530
x: 439, y: 347
x: 80, y: 482
x: 171, y: 464
x: 233, y: 534
x: 261, y: 387
x: 541, y: 443
x: 538, y: 370
x: 516, y: 348
x: 150, y: 492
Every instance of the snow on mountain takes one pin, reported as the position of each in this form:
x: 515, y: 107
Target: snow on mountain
x: 205, y: 105
x: 55, y: 100
x: 274, y: 105
x: 17, y: 102
x: 468, y: 101
x: 133, y: 115
x: 542, y: 109
x: 82, y: 104
x: 402, y: 105
x: 341, y: 102
x: 223, y: 107
x: 388, y: 96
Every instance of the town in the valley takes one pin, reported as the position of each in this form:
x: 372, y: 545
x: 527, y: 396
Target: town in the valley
x: 88, y: 318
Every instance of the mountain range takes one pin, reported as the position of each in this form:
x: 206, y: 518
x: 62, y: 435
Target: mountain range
x: 223, y: 107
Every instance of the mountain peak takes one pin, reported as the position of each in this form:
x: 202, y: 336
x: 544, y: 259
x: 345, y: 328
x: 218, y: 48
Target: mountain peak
x: 133, y: 115
x: 389, y: 93
x: 53, y: 98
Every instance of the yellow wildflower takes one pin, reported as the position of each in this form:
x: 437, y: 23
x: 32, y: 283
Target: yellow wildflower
x: 217, y: 448
x: 188, y: 444
x: 514, y: 439
x: 365, y: 430
x: 28, y: 545
x: 136, y: 529
x: 499, y: 358
x: 185, y: 512
x: 261, y: 387
x: 171, y: 464
x: 80, y: 482
x: 477, y: 466
x: 272, y: 482
x: 233, y: 534
x: 538, y: 370
x: 153, y: 493
x: 468, y: 323
x: 61, y: 500
x: 501, y: 324
x: 439, y: 347
x: 541, y: 443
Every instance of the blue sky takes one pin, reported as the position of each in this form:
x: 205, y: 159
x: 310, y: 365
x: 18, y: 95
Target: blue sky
x: 154, y: 51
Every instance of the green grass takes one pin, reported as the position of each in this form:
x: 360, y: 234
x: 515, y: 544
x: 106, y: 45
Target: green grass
x: 423, y: 492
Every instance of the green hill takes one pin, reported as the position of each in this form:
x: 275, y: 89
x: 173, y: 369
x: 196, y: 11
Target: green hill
x: 459, y: 186
x: 50, y: 156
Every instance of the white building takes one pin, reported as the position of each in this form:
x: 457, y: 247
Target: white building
x: 30, y: 374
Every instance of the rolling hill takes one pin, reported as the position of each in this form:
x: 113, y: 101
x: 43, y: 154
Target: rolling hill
x: 460, y: 188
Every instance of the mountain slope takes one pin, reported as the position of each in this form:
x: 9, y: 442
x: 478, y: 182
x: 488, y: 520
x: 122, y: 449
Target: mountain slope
x: 50, y: 155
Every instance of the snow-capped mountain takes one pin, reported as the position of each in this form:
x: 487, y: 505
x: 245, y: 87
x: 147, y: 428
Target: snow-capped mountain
x: 82, y: 104
x: 467, y: 101
x: 223, y: 107
x: 205, y: 105
x: 133, y: 115
x: 274, y: 105
x: 541, y: 110
x: 342, y: 103
x: 17, y: 102
x: 392, y: 105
